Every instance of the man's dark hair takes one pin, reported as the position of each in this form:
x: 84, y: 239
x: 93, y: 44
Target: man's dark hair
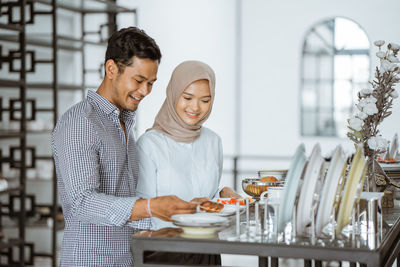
x: 126, y: 43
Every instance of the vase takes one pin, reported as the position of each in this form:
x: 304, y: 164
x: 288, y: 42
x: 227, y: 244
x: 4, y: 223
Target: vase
x: 377, y: 181
x: 376, y: 178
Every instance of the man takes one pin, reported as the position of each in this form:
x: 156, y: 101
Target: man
x: 96, y: 159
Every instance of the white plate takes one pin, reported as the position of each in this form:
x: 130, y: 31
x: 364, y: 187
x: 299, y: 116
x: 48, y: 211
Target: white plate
x: 199, y: 232
x: 391, y: 167
x: 228, y: 210
x: 394, y: 146
x: 290, y: 188
x: 329, y: 188
x: 311, y: 176
x: 355, y: 176
x: 199, y: 220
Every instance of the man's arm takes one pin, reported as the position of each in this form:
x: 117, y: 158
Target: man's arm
x: 76, y: 153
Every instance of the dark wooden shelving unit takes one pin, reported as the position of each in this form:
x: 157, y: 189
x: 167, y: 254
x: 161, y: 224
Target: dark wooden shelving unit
x: 14, y: 32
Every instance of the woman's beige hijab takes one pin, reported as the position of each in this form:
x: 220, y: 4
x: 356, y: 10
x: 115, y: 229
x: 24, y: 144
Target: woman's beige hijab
x: 167, y: 120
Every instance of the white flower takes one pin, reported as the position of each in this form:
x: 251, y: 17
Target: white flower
x: 379, y: 42
x: 394, y: 46
x: 387, y: 66
x: 356, y: 123
x: 365, y: 92
x: 371, y: 99
x: 367, y: 100
x: 361, y: 115
x: 370, y: 109
x: 382, y: 143
x: 394, y: 94
x: 372, y: 143
x: 393, y: 59
x: 377, y: 142
x: 381, y: 54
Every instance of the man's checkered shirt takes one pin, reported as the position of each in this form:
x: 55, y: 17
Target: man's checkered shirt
x: 97, y: 172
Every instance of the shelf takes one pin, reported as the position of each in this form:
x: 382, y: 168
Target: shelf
x: 45, y: 40
x: 18, y: 134
x: 10, y: 134
x: 88, y: 6
x: 11, y: 83
x: 12, y: 27
x: 44, y: 131
x: 41, y: 223
x: 39, y: 179
x: 61, y: 86
x: 10, y: 190
x: 10, y: 243
x: 27, y: 180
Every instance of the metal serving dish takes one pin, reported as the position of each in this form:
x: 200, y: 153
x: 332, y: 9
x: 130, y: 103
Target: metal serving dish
x: 278, y: 174
x: 254, y: 187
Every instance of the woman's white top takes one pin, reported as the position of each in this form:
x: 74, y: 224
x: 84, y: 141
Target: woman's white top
x: 187, y: 170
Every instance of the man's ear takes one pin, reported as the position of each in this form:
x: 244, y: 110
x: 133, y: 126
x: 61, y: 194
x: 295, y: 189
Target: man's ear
x: 111, y: 69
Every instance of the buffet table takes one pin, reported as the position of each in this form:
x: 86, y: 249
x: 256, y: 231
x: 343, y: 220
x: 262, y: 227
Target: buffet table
x: 366, y: 250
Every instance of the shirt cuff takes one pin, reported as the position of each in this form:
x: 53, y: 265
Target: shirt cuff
x: 121, y: 210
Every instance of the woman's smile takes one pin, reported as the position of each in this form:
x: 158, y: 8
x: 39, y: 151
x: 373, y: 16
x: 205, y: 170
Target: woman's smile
x: 192, y: 115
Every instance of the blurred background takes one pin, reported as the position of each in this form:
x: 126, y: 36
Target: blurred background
x: 288, y: 72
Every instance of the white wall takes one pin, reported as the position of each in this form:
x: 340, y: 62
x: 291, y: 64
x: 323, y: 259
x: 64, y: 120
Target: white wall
x: 185, y: 30
x: 271, y: 41
x: 273, y: 33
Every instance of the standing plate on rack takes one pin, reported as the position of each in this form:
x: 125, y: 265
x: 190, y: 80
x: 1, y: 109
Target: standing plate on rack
x: 329, y: 189
x: 290, y: 189
x: 393, y: 147
x: 355, y: 176
x: 311, y: 176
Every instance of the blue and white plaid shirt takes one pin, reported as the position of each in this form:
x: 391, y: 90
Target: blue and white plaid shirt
x: 97, y: 171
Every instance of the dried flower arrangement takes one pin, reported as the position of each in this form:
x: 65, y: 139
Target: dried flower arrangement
x: 374, y: 103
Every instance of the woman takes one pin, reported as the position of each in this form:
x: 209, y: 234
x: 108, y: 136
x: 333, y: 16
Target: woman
x: 177, y: 155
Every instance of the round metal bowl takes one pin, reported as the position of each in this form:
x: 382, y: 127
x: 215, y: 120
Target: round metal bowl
x: 278, y: 174
x: 254, y: 187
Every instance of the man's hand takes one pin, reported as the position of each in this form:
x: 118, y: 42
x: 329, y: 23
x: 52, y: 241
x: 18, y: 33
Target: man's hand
x: 228, y: 192
x: 166, y: 206
x: 162, y: 207
x: 199, y: 200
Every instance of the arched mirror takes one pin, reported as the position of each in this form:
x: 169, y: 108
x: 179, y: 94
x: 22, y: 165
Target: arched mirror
x: 335, y: 66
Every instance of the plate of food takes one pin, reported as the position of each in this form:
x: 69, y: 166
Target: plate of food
x: 218, y: 208
x: 232, y: 201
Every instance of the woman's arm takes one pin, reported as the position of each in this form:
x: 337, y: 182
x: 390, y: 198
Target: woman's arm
x: 147, y: 181
x: 225, y: 192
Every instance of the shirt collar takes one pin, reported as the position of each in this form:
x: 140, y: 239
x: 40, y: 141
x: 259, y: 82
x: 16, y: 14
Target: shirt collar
x: 110, y: 109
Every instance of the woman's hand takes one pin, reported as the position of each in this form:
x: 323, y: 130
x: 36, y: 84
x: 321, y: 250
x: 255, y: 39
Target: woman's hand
x: 228, y: 192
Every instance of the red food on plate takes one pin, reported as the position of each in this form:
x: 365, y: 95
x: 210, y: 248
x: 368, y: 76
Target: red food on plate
x: 232, y: 201
x: 210, y: 206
